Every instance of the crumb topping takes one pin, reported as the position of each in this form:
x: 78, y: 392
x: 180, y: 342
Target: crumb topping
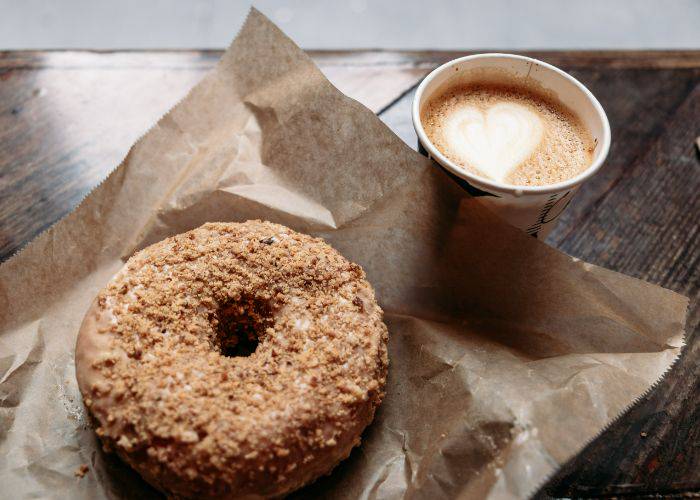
x: 237, y: 354
x: 81, y: 471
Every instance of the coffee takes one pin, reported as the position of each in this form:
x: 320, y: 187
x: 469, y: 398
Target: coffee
x: 508, y: 133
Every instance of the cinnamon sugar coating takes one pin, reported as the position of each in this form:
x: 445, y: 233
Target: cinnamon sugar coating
x: 164, y: 365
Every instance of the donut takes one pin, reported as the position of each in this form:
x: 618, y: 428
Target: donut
x: 236, y: 360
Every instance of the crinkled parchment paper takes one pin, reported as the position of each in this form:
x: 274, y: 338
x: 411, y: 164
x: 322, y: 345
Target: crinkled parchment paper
x: 506, y: 355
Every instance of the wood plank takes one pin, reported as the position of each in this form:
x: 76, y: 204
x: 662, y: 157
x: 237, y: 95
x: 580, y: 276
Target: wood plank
x: 603, y: 59
x: 65, y: 125
x: 643, y: 59
x: 638, y: 103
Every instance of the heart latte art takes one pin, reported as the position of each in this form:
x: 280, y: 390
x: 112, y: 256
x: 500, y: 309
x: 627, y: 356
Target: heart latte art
x: 494, y: 140
x: 507, y: 134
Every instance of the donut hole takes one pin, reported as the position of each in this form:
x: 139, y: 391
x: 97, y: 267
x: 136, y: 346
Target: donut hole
x: 239, y: 324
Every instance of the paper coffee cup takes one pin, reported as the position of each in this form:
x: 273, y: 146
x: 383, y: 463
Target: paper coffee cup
x: 533, y: 209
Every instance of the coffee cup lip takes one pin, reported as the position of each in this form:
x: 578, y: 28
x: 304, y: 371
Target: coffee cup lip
x: 492, y: 185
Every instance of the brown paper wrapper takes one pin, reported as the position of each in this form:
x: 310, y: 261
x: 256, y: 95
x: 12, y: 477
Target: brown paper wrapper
x: 506, y: 355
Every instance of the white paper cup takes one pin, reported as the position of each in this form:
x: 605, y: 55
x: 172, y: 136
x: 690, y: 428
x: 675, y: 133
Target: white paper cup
x: 533, y: 209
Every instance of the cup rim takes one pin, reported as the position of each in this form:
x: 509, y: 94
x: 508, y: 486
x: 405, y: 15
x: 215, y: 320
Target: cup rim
x: 488, y: 184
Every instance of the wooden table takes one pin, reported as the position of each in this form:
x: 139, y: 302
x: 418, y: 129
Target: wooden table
x: 68, y: 118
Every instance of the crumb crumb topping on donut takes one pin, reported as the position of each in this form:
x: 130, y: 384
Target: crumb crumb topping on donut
x: 234, y: 359
x: 81, y: 471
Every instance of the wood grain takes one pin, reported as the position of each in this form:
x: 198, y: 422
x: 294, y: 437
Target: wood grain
x: 67, y: 118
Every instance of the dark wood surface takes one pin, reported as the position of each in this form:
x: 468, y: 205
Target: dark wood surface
x: 68, y: 118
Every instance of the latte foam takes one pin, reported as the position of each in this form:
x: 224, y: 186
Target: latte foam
x: 508, y: 134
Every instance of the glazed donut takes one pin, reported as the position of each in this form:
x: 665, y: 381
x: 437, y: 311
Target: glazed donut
x: 234, y: 360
